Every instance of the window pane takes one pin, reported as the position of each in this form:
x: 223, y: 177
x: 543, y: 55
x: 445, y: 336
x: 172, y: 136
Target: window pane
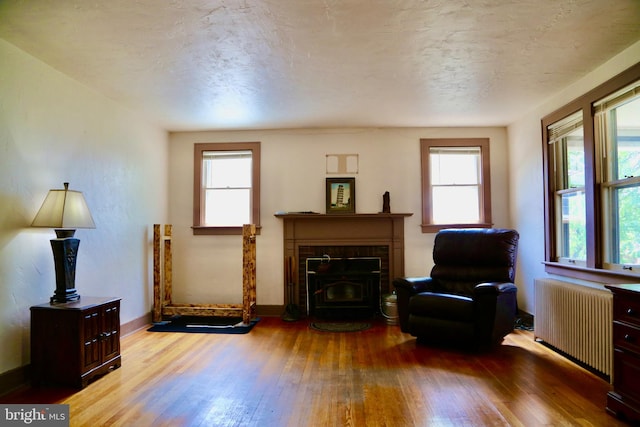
x: 566, y: 139
x: 572, y: 233
x: 626, y: 228
x: 626, y: 140
x: 455, y: 166
x: 223, y: 171
x: 460, y: 204
x: 225, y: 208
x: 575, y: 159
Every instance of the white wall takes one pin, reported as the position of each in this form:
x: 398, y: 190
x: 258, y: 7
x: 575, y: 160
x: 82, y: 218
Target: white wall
x: 208, y: 269
x: 525, y: 171
x: 52, y: 130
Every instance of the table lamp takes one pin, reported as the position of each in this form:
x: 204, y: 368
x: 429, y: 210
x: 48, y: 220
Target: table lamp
x: 64, y: 210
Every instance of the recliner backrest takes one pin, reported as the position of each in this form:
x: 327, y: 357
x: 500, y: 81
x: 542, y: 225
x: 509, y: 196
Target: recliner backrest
x: 465, y: 257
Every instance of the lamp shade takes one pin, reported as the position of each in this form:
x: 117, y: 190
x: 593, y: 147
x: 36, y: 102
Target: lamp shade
x: 64, y: 209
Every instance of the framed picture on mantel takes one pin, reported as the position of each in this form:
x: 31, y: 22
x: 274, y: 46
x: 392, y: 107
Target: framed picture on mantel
x: 341, y: 195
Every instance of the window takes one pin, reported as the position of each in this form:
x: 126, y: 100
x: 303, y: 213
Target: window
x: 566, y: 148
x: 455, y: 183
x: 617, y: 131
x: 226, y: 187
x: 592, y: 176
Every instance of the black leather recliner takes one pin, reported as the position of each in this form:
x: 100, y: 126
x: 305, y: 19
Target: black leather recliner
x: 470, y: 297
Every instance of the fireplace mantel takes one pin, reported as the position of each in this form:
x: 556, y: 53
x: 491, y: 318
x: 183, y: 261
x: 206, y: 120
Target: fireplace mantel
x: 311, y: 229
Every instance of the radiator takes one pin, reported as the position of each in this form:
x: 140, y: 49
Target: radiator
x: 577, y: 320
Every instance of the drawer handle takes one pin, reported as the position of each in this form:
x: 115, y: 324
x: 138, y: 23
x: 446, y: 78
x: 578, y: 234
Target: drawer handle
x: 631, y: 312
x: 628, y: 338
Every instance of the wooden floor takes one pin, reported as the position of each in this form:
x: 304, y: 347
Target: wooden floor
x: 286, y: 374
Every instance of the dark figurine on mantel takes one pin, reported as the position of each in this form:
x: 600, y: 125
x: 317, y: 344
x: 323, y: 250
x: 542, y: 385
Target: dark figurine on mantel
x: 386, y: 202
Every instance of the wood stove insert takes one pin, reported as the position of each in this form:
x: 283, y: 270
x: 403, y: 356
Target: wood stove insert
x: 343, y: 287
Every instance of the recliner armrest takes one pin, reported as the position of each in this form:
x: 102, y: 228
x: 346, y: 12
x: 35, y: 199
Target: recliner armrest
x: 406, y: 287
x: 413, y: 285
x: 494, y: 288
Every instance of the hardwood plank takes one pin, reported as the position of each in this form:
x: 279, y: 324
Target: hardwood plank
x: 287, y: 374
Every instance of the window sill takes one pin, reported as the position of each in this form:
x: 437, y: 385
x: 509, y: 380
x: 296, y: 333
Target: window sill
x: 591, y: 274
x: 201, y: 230
x: 434, y: 228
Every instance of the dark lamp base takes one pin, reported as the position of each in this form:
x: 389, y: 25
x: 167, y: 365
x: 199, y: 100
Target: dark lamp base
x: 65, y: 251
x: 68, y: 296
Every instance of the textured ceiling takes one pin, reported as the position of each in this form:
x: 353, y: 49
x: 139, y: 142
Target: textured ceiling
x: 246, y: 64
